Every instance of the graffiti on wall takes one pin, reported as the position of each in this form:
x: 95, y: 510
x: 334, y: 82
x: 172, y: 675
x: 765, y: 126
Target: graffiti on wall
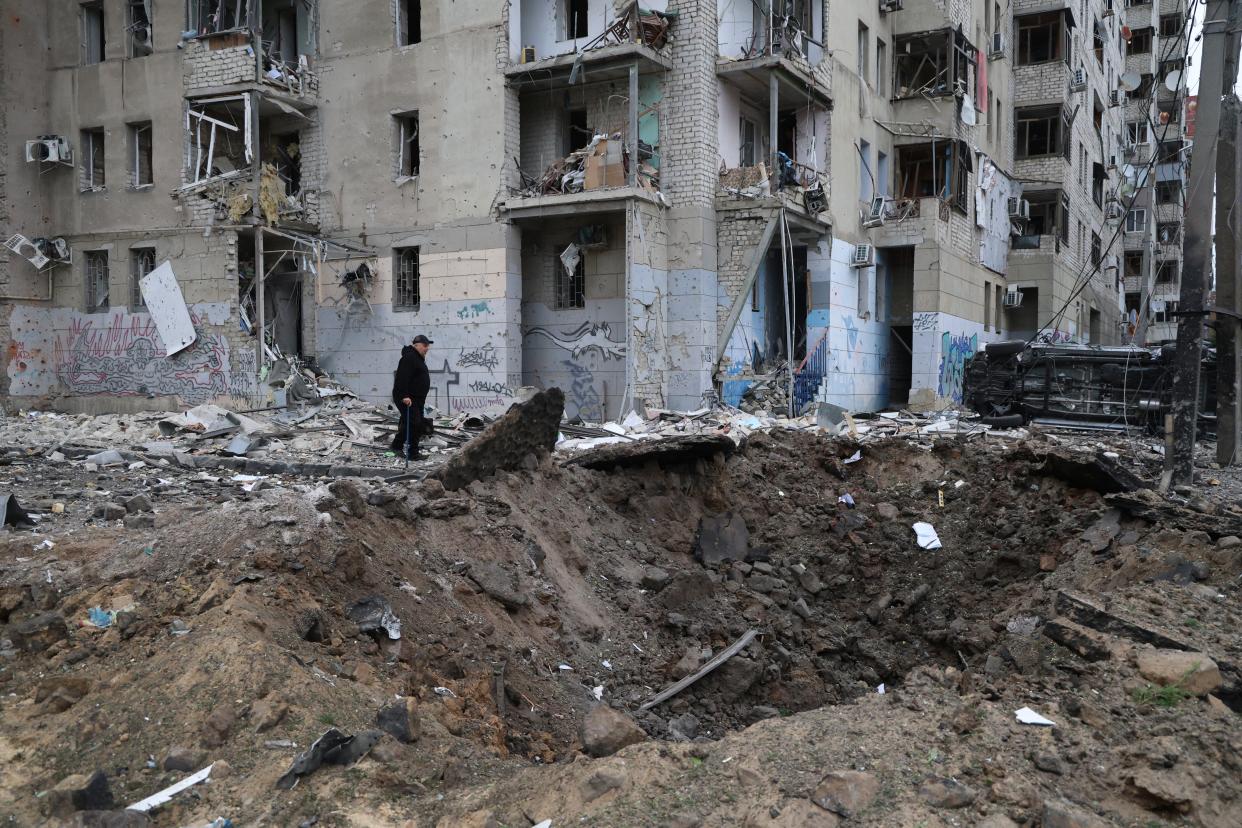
x: 587, y: 337
x: 474, y: 310
x: 810, y: 374
x: 924, y: 322
x: 955, y: 351
x: 483, y: 356
x: 244, y: 382
x: 62, y: 350
x: 442, y: 381
x: 581, y: 398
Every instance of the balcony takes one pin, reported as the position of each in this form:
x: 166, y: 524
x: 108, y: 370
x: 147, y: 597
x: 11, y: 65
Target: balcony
x: 223, y: 55
x: 592, y: 42
x: 1036, y: 83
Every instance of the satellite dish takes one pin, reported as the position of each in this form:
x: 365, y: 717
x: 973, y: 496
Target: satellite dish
x: 1173, y: 80
x: 1130, y: 81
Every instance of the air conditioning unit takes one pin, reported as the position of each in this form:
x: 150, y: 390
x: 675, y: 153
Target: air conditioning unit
x: 887, y: 6
x: 1019, y: 208
x: 864, y: 256
x: 1078, y: 83
x: 39, y: 252
x: 998, y: 47
x: 528, y: 54
x: 1117, y: 97
x: 50, y: 149
x: 1114, y: 211
x: 1012, y: 298
x: 876, y: 213
x: 1110, y: 263
x: 1108, y: 8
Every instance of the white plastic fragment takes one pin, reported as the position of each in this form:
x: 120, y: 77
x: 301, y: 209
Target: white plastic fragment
x: 565, y: 668
x: 607, y: 664
x: 854, y: 458
x: 1028, y: 716
x: 847, y: 499
x: 880, y: 689
x: 171, y: 791
x: 547, y: 823
x: 444, y: 691
x: 598, y: 692
x: 927, y: 537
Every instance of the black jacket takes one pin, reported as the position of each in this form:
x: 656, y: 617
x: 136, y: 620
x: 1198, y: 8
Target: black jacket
x: 411, y: 378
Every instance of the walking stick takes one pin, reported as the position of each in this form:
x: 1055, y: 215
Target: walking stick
x: 407, y: 435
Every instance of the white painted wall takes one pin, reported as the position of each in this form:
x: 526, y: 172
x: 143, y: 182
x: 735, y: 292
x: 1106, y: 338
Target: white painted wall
x: 543, y: 26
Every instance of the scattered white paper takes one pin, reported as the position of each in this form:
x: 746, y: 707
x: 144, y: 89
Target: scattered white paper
x: 636, y: 647
x: 566, y: 668
x: 847, y: 499
x: 881, y: 689
x: 854, y: 458
x: 959, y: 484
x: 547, y: 823
x: 598, y: 692
x: 1028, y: 716
x: 607, y: 664
x: 928, y: 539
x: 444, y: 691
x: 45, y: 544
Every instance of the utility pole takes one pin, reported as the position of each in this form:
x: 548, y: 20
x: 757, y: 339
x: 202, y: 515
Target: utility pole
x: 1228, y: 288
x: 1197, y: 242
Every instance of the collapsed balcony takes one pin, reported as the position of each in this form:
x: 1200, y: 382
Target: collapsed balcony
x: 246, y: 42
x: 584, y: 39
x: 246, y: 162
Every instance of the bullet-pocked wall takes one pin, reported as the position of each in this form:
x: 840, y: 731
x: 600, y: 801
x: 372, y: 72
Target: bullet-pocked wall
x: 414, y: 170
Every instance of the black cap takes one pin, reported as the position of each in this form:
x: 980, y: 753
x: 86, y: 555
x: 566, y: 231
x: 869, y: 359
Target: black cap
x: 422, y: 340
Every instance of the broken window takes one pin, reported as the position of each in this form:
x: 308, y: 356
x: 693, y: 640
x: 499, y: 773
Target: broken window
x: 96, y: 265
x: 1045, y: 218
x: 933, y: 64
x: 1097, y: 255
x: 220, y: 138
x: 1168, y: 192
x: 575, y: 12
x: 939, y: 170
x: 406, y: 293
x: 1136, y: 221
x: 1097, y: 41
x: 749, y: 142
x: 285, y: 155
x: 1171, y: 25
x: 577, y: 133
x: 1041, y: 131
x: 1140, y: 41
x: 140, y: 163
x: 881, y: 64
x: 1168, y: 232
x: 1138, y: 132
x: 407, y: 144
x: 1043, y: 38
x: 1097, y: 184
x: 409, y: 22
x: 1166, y: 272
x: 138, y: 27
x: 141, y: 262
x: 92, y: 159
x: 1169, y: 152
x: 208, y: 16
x: 92, y: 32
x: 570, y: 286
x: 1133, y: 266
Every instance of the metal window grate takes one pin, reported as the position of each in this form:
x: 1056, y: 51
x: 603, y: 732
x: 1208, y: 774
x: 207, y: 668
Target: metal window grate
x: 570, y: 289
x: 406, y: 293
x: 96, y: 280
x: 142, y: 262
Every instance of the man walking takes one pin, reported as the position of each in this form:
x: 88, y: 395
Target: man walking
x: 411, y: 382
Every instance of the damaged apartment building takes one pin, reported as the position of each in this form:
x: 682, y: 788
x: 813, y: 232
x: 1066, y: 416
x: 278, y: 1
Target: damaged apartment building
x: 661, y: 203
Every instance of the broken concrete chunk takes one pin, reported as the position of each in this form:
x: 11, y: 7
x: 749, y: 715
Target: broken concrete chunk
x: 59, y: 693
x: 1193, y: 672
x: 400, y: 720
x: 79, y: 792
x: 374, y: 613
x: 721, y: 538
x: 108, y: 819
x: 111, y: 457
x: 526, y: 428
x: 606, y: 731
x: 498, y: 583
x: 943, y: 792
x: 1103, y: 474
x: 34, y: 635
x: 138, y: 503
x: 1085, y: 643
x: 110, y: 511
x: 670, y: 450
x: 183, y: 759
x: 1060, y: 814
x: 846, y: 793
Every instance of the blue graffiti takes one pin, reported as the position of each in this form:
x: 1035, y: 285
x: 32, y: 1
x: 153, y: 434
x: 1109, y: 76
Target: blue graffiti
x: 810, y: 375
x: 955, y: 351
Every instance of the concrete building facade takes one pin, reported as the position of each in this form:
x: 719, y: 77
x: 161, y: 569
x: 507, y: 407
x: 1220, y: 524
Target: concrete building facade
x: 655, y: 205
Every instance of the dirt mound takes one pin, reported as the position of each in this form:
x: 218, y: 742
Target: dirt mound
x: 526, y: 598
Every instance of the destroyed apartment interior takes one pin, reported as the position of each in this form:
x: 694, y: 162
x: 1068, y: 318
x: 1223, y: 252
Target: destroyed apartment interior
x: 670, y: 413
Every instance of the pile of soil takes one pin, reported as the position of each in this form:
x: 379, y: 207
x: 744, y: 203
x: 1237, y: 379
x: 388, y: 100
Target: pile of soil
x: 527, y: 599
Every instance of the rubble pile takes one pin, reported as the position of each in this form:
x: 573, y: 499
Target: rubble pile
x: 698, y: 602
x: 604, y: 162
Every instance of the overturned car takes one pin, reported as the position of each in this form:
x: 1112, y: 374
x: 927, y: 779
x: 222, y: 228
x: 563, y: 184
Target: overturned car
x: 1109, y: 387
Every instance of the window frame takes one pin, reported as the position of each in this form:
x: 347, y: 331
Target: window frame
x: 138, y: 257
x: 87, y: 12
x: 93, y: 146
x: 402, y: 121
x: 1058, y: 37
x: 405, y: 35
x: 569, y: 290
x: 133, y: 49
x: 92, y: 262
x: 136, y: 131
x: 1136, y: 220
x: 1057, y: 138
x: 407, y: 289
